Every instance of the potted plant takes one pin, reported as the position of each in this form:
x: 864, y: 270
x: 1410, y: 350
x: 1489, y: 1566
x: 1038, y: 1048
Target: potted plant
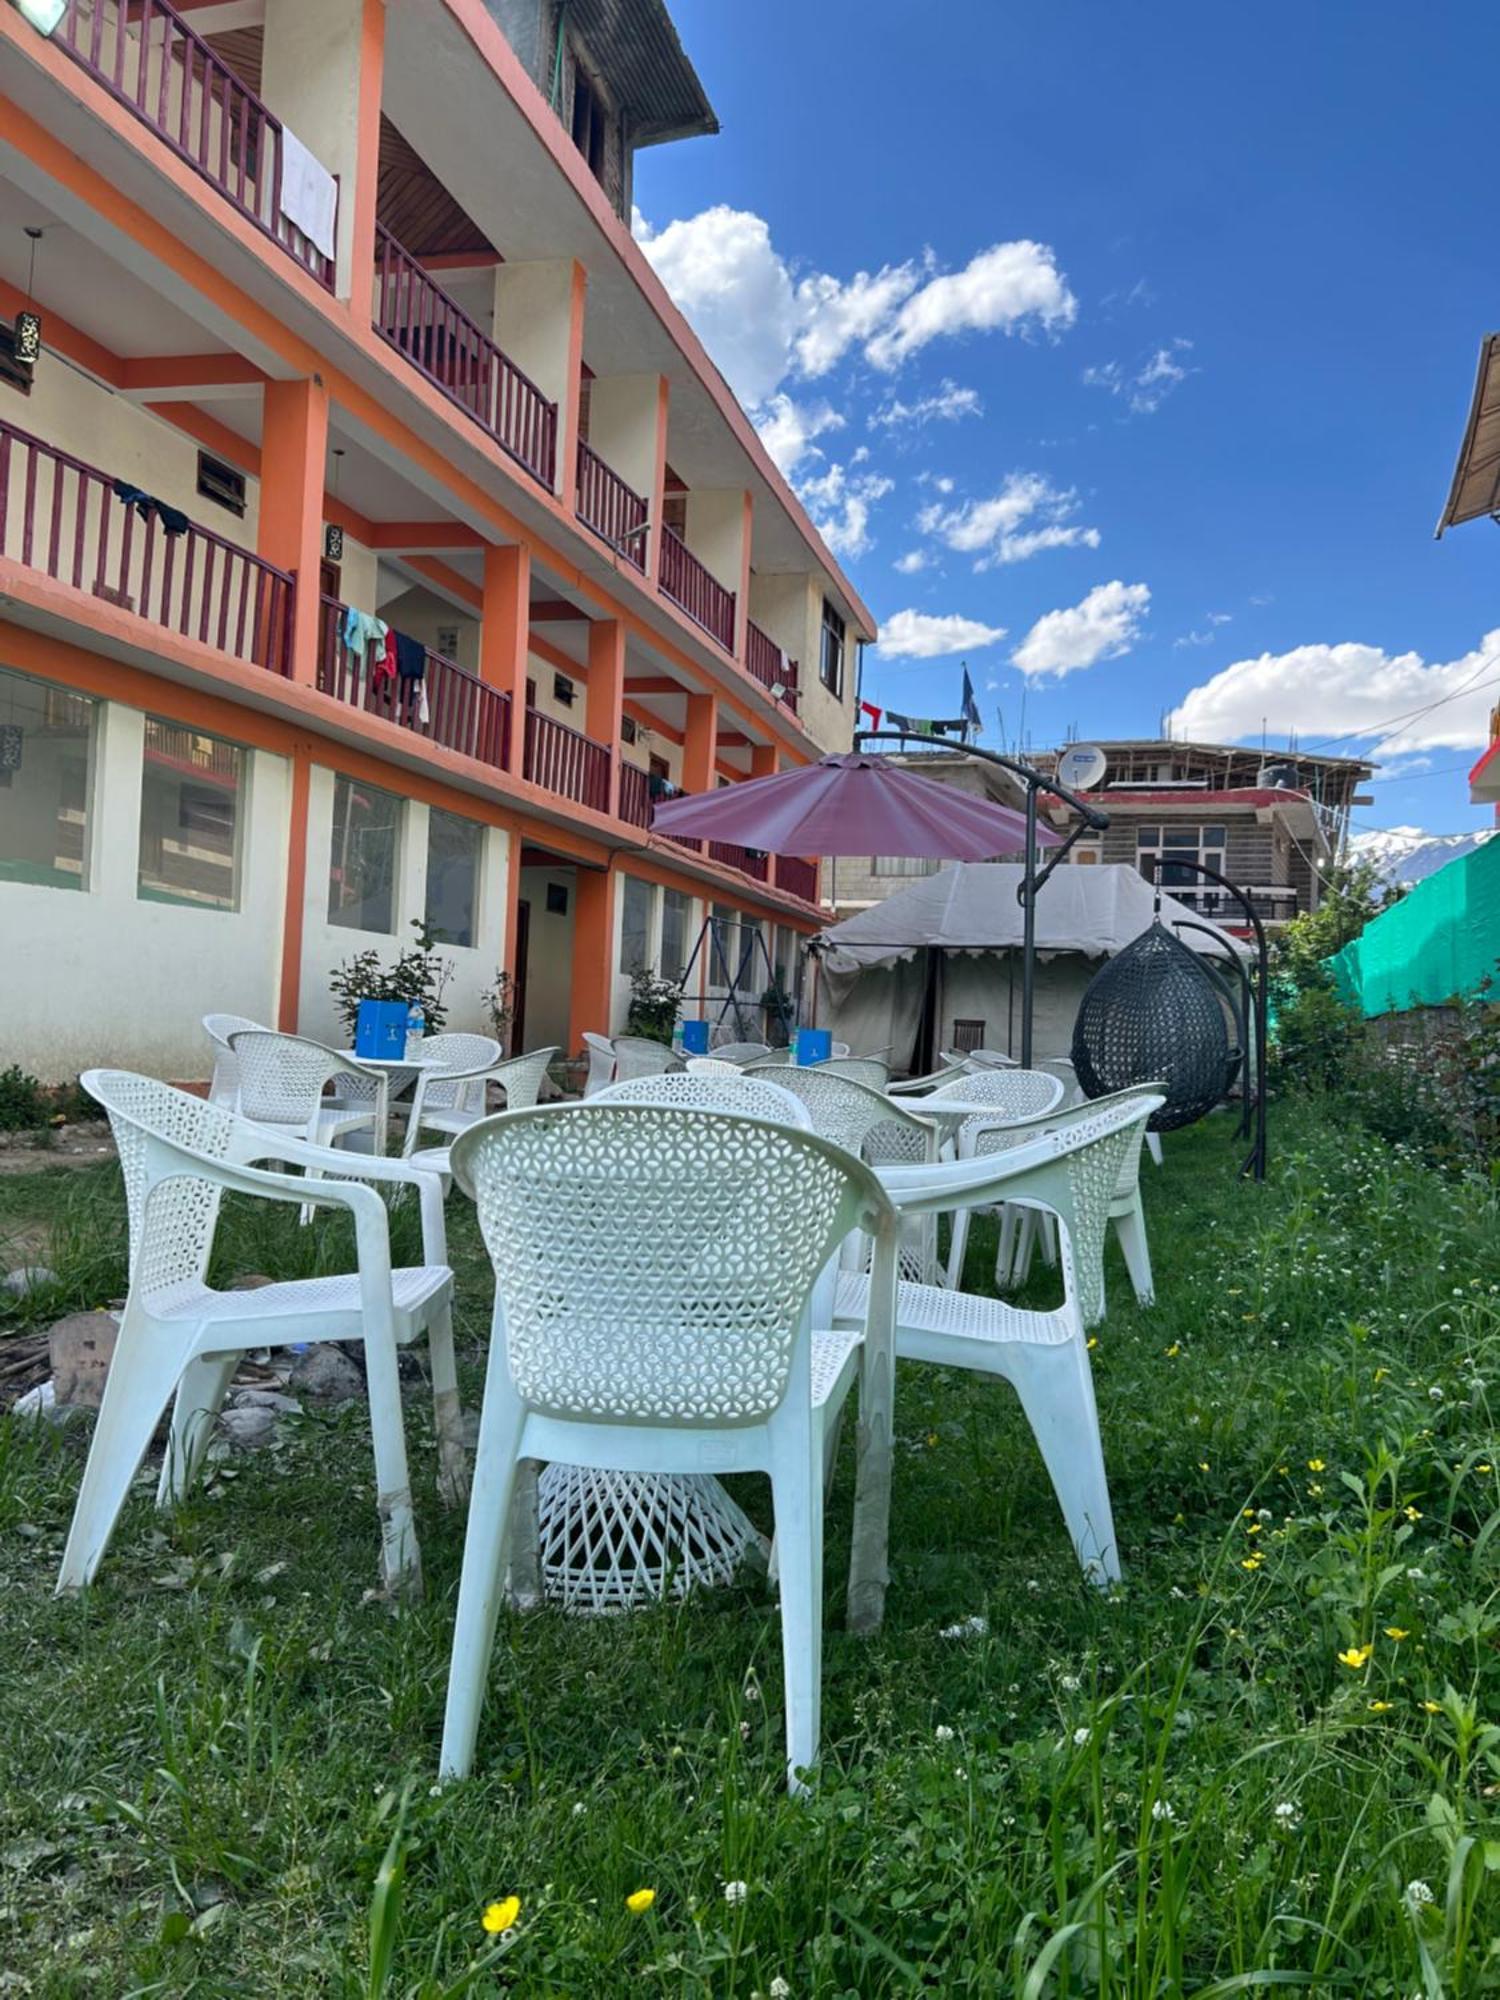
x: 654, y: 1006
x: 419, y: 975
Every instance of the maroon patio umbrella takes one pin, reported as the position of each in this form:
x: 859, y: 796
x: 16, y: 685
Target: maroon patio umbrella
x: 851, y: 804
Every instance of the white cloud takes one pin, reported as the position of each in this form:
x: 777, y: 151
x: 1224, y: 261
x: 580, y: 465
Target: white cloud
x: 787, y: 429
x: 996, y: 531
x: 723, y: 271
x: 1354, y: 693
x: 947, y: 404
x: 1193, y: 639
x: 1008, y: 286
x: 924, y: 635
x: 837, y: 316
x: 911, y: 563
x: 839, y: 503
x: 1104, y: 625
x: 1146, y: 384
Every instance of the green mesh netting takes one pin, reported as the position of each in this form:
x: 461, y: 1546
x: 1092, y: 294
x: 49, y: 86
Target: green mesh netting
x: 1440, y: 941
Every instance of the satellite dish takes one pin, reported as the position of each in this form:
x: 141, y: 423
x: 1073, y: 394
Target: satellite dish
x: 1081, y: 767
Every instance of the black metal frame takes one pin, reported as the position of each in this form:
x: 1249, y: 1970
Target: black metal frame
x: 708, y: 934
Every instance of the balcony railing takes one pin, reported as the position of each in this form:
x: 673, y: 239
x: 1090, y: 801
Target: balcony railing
x: 564, y: 761
x: 147, y: 56
x: 437, y: 336
x: 635, y: 795
x: 747, y: 859
x: 615, y: 511
x: 98, y: 534
x: 770, y: 665
x: 1271, y: 905
x: 695, y: 591
x: 798, y: 878
x: 463, y: 712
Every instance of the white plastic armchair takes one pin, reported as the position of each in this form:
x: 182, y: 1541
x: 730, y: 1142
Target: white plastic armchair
x: 1013, y: 1093
x: 638, y: 1055
x: 706, y: 1086
x: 1072, y: 1172
x: 869, y: 1070
x: 741, y: 1052
x: 181, y: 1338
x: 282, y: 1079
x: 913, y: 1086
x: 225, y: 1087
x: 452, y: 1098
x: 601, y: 1054
x: 653, y: 1273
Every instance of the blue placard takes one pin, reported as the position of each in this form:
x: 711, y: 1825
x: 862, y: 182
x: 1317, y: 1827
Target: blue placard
x: 695, y: 1038
x: 380, y: 1029
x: 814, y: 1045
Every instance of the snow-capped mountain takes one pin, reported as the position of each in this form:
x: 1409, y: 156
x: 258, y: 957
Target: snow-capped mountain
x: 1405, y: 854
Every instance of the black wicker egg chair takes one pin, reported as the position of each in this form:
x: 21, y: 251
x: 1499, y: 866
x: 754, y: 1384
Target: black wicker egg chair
x: 1155, y: 1012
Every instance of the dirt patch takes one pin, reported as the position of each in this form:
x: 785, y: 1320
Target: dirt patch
x: 65, y: 1146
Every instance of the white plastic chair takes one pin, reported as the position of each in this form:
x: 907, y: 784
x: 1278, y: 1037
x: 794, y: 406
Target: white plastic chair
x: 705, y: 1086
x: 282, y: 1079
x: 225, y: 1088
x: 741, y: 1052
x: 912, y: 1086
x: 638, y: 1055
x: 1044, y: 1355
x: 1067, y: 1076
x: 178, y: 1155
x: 869, y: 1070
x: 1013, y: 1093
x: 653, y: 1273
x: 451, y: 1099
x: 988, y: 1059
x: 601, y: 1055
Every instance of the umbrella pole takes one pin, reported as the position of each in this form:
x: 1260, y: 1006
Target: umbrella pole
x: 1028, y: 932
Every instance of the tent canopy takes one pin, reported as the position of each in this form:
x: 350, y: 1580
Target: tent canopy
x: 973, y: 907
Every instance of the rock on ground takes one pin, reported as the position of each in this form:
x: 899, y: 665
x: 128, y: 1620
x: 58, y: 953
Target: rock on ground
x: 82, y: 1347
x: 326, y: 1374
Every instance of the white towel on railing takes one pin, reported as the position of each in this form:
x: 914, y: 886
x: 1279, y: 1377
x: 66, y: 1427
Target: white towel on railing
x: 309, y: 194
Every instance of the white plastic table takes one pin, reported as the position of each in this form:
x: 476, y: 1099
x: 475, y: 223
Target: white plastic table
x: 399, y: 1073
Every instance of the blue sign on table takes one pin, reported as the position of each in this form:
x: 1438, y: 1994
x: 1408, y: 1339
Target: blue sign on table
x: 695, y: 1038
x: 380, y: 1029
x: 814, y: 1045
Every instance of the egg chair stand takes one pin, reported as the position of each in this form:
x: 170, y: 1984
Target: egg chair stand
x: 747, y: 1011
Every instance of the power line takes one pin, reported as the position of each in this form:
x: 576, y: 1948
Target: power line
x: 1412, y: 714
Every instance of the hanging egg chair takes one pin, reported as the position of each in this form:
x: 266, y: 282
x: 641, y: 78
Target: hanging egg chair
x: 1155, y: 1013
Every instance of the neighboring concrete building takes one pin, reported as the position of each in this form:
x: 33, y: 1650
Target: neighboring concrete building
x: 1266, y: 819
x: 1475, y: 496
x: 311, y: 308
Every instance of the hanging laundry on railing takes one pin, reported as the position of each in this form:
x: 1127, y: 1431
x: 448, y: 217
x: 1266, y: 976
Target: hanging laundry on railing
x: 361, y: 630
x: 874, y: 713
x: 173, y: 520
x: 309, y: 194
x: 411, y: 665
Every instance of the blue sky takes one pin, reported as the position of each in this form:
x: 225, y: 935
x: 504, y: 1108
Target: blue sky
x: 1141, y: 336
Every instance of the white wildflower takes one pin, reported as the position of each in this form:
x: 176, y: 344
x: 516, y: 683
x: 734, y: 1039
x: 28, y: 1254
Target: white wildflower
x: 1080, y: 1737
x: 735, y: 1892
x: 966, y: 1628
x: 943, y: 1733
x: 1070, y: 1683
x: 1162, y: 1810
x: 1418, y: 1893
x: 778, y: 1989
x: 1287, y: 1815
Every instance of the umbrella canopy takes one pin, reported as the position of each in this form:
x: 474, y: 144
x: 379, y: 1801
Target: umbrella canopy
x: 851, y: 804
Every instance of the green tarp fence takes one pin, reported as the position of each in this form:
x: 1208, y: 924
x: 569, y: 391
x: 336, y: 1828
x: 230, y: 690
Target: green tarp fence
x: 1440, y: 942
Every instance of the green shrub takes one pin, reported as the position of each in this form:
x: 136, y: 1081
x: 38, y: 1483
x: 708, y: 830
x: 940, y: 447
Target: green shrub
x: 23, y: 1102
x: 419, y: 975
x: 654, y: 1005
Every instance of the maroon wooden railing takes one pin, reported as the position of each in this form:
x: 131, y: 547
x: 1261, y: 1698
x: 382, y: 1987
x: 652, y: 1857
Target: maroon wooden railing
x: 700, y: 595
x: 757, y: 866
x: 146, y: 55
x: 435, y: 334
x: 463, y: 712
x: 65, y: 518
x: 615, y: 511
x: 770, y: 665
x: 798, y: 878
x: 635, y: 795
x: 564, y: 761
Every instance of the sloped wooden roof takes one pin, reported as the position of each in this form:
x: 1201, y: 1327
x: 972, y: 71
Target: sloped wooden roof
x: 1475, y: 491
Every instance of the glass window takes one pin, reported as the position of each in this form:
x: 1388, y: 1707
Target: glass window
x: 635, y: 923
x: 362, y: 869
x: 46, y: 759
x: 752, y: 966
x: 454, y: 845
x: 192, y: 812
x: 831, y: 657
x: 675, y: 908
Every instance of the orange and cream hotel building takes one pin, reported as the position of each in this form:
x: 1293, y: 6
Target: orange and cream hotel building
x: 377, y: 540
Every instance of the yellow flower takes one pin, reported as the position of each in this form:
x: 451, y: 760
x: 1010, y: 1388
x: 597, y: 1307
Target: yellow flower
x: 1316, y: 1465
x: 1203, y: 1465
x: 932, y: 1438
x: 640, y: 1901
x: 1412, y: 1513
x: 1253, y: 1528
x: 1093, y: 1340
x: 1381, y: 1373
x: 1396, y: 1632
x: 1174, y: 1350
x: 500, y: 1916
x: 1433, y: 1707
x: 1355, y: 1656
x: 1283, y: 1469
x: 1314, y: 1487
x: 1252, y: 1562
x: 1484, y: 1468
x: 1379, y: 1707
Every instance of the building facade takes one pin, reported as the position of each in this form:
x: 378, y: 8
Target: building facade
x: 1268, y: 820
x: 376, y: 539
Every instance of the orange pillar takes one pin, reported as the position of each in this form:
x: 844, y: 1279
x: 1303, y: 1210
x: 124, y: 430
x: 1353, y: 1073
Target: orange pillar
x: 367, y: 174
x: 699, y: 743
x: 604, y: 695
x: 593, y: 954
x: 763, y: 762
x: 504, y: 633
x: 293, y: 472
x: 567, y: 483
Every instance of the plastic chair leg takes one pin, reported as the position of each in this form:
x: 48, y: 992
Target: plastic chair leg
x: 1056, y: 1388
x: 797, y: 1499
x: 1131, y: 1230
x: 447, y: 1415
x: 400, y: 1557
x: 142, y: 1376
x: 200, y: 1393
x: 1153, y: 1146
x: 484, y: 1559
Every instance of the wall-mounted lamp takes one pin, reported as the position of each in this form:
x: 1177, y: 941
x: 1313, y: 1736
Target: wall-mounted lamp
x: 27, y: 333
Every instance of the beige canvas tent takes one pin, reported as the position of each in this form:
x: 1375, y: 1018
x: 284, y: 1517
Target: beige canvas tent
x: 940, y: 963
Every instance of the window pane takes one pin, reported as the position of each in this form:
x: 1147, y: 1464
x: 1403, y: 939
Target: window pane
x: 725, y: 950
x: 1147, y: 836
x: 1181, y: 836
x: 453, y: 850
x: 362, y: 871
x: 635, y: 923
x: 831, y: 662
x: 191, y: 792
x: 46, y: 755
x: 674, y: 923
x: 1213, y: 836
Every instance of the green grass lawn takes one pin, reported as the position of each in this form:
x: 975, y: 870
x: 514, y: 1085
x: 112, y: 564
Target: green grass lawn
x: 1271, y: 1759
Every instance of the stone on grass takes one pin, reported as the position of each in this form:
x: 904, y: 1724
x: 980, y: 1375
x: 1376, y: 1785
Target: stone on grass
x: 26, y: 1278
x: 327, y: 1375
x: 82, y: 1347
x: 248, y: 1428
x: 265, y: 1399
